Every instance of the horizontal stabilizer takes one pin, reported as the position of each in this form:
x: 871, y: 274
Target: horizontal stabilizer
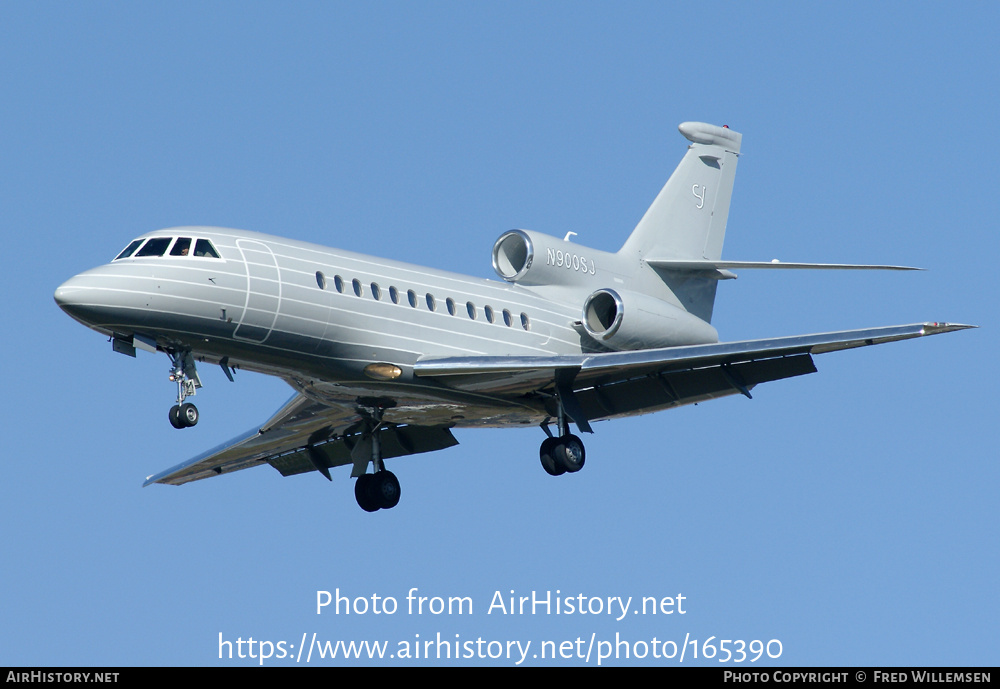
x: 700, y: 264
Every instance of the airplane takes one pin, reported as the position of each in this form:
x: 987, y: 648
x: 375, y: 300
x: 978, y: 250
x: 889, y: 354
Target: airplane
x: 387, y: 358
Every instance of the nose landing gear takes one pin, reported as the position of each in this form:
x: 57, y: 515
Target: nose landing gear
x: 183, y: 415
x: 185, y: 374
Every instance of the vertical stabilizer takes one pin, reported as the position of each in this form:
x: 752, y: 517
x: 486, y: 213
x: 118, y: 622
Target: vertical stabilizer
x: 688, y: 217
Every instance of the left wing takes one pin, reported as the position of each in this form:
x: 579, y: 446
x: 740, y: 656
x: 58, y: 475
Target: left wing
x: 612, y: 384
x: 305, y: 435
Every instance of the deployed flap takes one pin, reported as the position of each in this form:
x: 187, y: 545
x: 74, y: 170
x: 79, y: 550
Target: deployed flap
x: 396, y: 441
x: 668, y: 389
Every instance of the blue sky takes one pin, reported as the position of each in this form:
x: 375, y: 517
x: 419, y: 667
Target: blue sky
x: 849, y: 514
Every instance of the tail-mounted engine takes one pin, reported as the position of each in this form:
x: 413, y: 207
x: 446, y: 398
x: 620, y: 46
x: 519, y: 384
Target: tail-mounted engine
x: 629, y: 320
x: 533, y: 258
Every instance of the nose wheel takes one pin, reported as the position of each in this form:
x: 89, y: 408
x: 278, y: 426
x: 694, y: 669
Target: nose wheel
x: 184, y: 373
x: 183, y: 415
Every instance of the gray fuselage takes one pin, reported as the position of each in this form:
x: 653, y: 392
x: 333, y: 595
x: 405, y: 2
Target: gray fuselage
x: 317, y: 317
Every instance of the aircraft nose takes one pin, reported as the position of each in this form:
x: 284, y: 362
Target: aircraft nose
x: 63, y: 294
x: 102, y: 299
x: 76, y: 299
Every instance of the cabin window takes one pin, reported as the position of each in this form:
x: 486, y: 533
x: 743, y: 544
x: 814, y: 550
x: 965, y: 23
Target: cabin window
x: 471, y: 308
x: 205, y: 248
x: 320, y: 280
x: 489, y: 313
x: 154, y: 247
x: 411, y: 297
x: 357, y: 286
x: 394, y: 294
x: 524, y: 321
x: 431, y: 303
x: 338, y: 282
x: 129, y: 250
x: 182, y: 247
x: 451, y: 305
x: 507, y: 318
x: 376, y: 291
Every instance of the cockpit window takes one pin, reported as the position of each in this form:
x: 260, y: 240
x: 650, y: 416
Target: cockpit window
x: 157, y: 246
x: 205, y: 248
x: 154, y: 247
x: 129, y: 249
x: 182, y: 247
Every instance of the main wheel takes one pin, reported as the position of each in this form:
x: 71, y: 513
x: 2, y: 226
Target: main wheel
x: 570, y: 454
x: 188, y: 414
x: 548, y: 458
x: 387, y: 489
x: 365, y: 495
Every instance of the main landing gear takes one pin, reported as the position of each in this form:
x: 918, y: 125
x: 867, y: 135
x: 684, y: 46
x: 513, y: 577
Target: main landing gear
x: 183, y: 372
x: 564, y: 454
x: 379, y: 490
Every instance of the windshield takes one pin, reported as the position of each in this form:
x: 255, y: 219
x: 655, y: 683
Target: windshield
x: 157, y: 246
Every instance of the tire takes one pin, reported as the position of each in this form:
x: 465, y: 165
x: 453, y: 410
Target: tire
x: 570, y: 454
x: 548, y: 457
x: 188, y: 414
x: 175, y: 417
x: 364, y: 494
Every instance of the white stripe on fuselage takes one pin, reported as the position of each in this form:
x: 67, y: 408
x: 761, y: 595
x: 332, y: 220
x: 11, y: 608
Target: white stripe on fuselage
x: 359, y: 322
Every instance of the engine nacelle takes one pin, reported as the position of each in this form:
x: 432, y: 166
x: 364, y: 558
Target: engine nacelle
x: 533, y: 258
x: 629, y: 320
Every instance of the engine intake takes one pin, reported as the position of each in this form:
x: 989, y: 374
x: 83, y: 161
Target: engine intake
x: 533, y: 258
x: 637, y: 321
x: 512, y: 255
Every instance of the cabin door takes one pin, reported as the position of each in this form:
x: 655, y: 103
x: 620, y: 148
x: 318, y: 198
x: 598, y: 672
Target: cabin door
x: 263, y: 291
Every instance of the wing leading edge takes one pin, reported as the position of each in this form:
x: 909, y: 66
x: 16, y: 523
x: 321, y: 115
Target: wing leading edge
x: 612, y: 384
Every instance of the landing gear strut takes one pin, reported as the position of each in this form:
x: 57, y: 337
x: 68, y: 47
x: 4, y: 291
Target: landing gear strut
x: 378, y: 490
x: 564, y: 454
x: 183, y: 372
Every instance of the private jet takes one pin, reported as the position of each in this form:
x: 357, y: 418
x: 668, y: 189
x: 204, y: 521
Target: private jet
x: 387, y: 358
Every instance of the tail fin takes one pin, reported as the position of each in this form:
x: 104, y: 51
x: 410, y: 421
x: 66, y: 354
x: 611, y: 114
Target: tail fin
x: 688, y: 217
